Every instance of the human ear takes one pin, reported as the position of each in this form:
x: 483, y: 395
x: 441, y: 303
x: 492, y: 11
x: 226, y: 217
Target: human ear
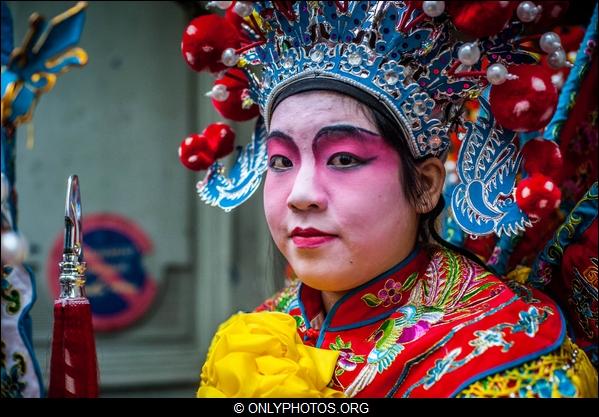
x: 431, y: 173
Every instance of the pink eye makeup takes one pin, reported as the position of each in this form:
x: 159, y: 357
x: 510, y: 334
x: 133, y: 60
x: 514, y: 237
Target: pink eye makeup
x: 345, y: 160
x: 346, y: 147
x: 282, y: 151
x: 340, y: 147
x: 279, y: 163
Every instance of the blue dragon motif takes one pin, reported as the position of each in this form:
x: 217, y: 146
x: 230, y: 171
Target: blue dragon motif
x: 487, y: 168
x: 228, y: 192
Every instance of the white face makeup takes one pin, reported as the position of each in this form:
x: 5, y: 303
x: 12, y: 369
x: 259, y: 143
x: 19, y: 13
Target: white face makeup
x: 333, y: 196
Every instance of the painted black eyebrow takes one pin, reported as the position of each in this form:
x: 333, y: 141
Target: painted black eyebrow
x: 348, y: 129
x: 355, y: 131
x: 280, y: 135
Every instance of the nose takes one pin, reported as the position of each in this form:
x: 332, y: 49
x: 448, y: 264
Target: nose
x: 308, y: 193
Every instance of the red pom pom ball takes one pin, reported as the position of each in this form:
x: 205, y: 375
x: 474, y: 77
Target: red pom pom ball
x: 543, y: 157
x: 195, y: 152
x: 481, y: 19
x: 231, y: 108
x: 204, y: 41
x: 221, y: 139
x: 538, y: 195
x: 198, y: 151
x: 526, y: 103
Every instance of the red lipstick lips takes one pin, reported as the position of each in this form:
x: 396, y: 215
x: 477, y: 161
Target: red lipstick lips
x: 310, y: 237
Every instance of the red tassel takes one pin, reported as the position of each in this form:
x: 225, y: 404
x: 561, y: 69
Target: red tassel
x: 73, y: 364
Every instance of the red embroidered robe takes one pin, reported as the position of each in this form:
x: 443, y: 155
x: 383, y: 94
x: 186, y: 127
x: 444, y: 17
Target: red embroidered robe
x: 429, y: 327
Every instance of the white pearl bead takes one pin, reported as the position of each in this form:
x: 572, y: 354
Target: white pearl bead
x: 557, y: 80
x: 219, y: 92
x: 229, y: 57
x: 14, y: 248
x: 527, y: 11
x: 557, y: 58
x: 243, y: 8
x: 550, y: 42
x: 223, y: 5
x: 469, y: 54
x: 5, y: 188
x: 497, y: 74
x: 433, y: 8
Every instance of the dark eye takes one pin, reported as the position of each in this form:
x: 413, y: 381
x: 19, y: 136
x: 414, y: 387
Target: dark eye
x: 279, y: 163
x: 344, y: 160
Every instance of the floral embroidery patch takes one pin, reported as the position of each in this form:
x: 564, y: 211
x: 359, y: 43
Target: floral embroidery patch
x: 390, y: 294
x: 348, y: 360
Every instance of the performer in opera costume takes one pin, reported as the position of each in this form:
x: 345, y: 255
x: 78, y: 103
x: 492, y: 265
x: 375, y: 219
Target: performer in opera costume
x: 362, y: 111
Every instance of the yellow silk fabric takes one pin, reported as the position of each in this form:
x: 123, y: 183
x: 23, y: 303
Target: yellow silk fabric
x: 261, y: 355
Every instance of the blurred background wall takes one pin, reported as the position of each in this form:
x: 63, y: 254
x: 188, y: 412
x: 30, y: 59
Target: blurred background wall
x: 117, y: 124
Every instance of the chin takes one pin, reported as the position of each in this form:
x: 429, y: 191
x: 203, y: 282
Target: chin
x: 325, y: 283
x: 323, y: 275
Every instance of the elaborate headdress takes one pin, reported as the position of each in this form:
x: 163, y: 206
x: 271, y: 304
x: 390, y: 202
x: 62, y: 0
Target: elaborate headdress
x: 420, y: 61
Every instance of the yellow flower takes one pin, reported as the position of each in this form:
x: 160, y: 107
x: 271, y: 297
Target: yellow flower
x: 261, y: 355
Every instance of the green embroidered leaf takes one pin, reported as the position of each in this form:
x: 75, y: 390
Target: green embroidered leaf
x: 472, y: 293
x: 339, y: 371
x: 409, y: 282
x: 357, y: 359
x: 339, y: 344
x: 371, y: 300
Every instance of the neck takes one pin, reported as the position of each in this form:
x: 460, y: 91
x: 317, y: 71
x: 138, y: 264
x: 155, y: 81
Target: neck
x: 329, y: 298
